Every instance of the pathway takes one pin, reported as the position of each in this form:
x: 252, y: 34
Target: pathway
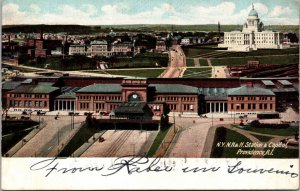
x: 46, y: 140
x: 196, y: 62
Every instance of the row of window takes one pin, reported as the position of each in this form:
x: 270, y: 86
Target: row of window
x: 252, y: 98
x: 99, y: 106
x: 29, y: 95
x: 252, y: 106
x: 17, y: 103
x: 119, y: 98
x: 186, y: 107
x: 172, y: 98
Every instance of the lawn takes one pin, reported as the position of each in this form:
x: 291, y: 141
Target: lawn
x: 190, y: 62
x: 159, y: 138
x: 13, y: 132
x: 283, y: 153
x: 264, y: 52
x: 79, y: 139
x: 283, y: 131
x: 146, y: 60
x: 223, y: 134
x: 262, y: 138
x: 193, y: 52
x: 279, y: 59
x: 203, y: 72
x: 203, y: 62
x: 145, y: 73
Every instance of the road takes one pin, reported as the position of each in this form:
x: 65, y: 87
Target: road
x: 192, y: 136
x: 177, y: 63
x: 71, y: 73
x: 46, y: 143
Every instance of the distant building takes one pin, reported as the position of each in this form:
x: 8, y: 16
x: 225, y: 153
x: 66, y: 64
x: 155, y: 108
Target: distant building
x: 80, y: 49
x: 252, y: 37
x: 160, y: 46
x: 124, y: 48
x: 185, y: 41
x: 99, y: 48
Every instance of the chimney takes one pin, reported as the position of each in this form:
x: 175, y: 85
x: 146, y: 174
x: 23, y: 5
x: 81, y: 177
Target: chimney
x: 249, y: 83
x: 41, y: 33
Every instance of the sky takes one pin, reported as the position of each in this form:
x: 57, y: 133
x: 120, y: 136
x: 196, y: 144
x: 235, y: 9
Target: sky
x: 116, y: 12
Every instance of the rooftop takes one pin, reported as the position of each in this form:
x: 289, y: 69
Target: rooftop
x: 40, y: 88
x: 101, y: 88
x: 67, y: 95
x: 174, y: 88
x: 133, y: 108
x: 99, y: 42
x: 249, y: 90
x: 285, y: 82
x: 10, y: 85
x: 268, y: 83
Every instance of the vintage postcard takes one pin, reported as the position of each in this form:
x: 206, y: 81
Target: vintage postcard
x: 169, y: 94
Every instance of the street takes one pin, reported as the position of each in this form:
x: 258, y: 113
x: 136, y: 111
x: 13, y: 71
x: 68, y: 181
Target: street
x: 177, y: 63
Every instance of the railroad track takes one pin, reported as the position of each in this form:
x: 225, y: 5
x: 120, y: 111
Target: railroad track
x: 111, y: 152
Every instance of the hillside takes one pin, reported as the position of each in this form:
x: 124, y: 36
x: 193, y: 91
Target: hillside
x: 83, y: 29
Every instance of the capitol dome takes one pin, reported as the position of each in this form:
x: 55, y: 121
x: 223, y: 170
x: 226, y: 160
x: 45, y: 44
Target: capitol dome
x: 253, y: 12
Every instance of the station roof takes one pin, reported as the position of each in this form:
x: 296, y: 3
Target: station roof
x: 10, y: 85
x: 249, y: 90
x: 40, y: 88
x: 285, y: 82
x: 268, y: 83
x: 174, y: 88
x: 101, y: 88
x: 67, y: 95
x: 214, y: 93
x: 131, y: 108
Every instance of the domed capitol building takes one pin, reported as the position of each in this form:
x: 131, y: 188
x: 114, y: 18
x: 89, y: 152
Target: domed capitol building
x: 252, y: 37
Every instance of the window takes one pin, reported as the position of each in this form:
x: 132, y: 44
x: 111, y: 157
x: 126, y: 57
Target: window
x: 260, y: 106
x: 242, y: 106
x: 265, y: 106
x: 253, y: 106
x: 249, y: 105
x: 271, y: 106
x: 45, y: 103
x: 191, y: 107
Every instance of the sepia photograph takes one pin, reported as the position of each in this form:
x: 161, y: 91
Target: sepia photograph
x: 139, y: 90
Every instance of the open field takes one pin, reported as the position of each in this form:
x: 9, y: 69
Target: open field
x: 283, y: 131
x: 278, y: 59
x: 203, y: 72
x: 145, y: 73
x: 190, y: 62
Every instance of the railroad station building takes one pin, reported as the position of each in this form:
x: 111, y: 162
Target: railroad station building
x: 161, y: 96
